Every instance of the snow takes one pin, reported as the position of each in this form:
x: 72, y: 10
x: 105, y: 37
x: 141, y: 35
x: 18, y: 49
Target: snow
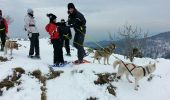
x: 72, y: 85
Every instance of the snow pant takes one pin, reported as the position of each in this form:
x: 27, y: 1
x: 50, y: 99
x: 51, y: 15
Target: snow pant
x: 3, y: 40
x: 78, y: 44
x: 34, y: 44
x: 67, y: 45
x: 58, y: 52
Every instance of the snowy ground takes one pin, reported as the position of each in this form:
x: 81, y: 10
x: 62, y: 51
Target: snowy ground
x: 80, y: 86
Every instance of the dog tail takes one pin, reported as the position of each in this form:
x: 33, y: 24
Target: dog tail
x: 117, y: 62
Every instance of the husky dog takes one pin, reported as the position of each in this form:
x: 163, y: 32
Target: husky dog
x: 10, y: 45
x: 138, y: 72
x: 105, y: 52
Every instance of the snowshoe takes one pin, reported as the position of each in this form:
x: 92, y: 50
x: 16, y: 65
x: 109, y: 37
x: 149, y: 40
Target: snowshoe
x: 60, y: 64
x: 77, y: 62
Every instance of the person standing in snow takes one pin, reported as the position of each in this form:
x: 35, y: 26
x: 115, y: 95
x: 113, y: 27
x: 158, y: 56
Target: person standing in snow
x: 56, y: 40
x: 33, y: 34
x: 78, y: 22
x: 3, y: 30
x: 65, y: 30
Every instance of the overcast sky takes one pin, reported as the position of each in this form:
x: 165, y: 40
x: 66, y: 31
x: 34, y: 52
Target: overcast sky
x: 102, y: 16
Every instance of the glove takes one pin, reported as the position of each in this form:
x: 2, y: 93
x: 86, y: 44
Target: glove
x: 70, y: 36
x: 25, y: 29
x: 29, y: 35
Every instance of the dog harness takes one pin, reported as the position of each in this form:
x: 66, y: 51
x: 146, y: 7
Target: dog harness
x: 130, y: 71
x: 128, y: 68
x: 144, y: 72
x: 133, y: 67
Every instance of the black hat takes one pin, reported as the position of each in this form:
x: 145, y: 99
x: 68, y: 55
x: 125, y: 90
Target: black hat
x: 62, y: 20
x: 51, y: 16
x: 70, y: 5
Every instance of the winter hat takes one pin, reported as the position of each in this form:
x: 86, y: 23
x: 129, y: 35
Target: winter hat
x: 51, y: 16
x: 70, y: 5
x: 30, y: 11
x: 62, y: 20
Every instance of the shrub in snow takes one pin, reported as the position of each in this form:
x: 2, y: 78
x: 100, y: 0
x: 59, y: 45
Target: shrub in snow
x: 104, y: 78
x: 11, y: 80
x: 3, y: 59
x: 111, y: 89
x: 53, y: 74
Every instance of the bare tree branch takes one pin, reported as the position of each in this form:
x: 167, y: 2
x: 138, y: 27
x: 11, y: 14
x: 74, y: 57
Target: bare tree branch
x: 131, y: 35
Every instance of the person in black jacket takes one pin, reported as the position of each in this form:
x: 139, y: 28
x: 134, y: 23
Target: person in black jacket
x: 78, y: 22
x: 3, y: 30
x: 66, y: 34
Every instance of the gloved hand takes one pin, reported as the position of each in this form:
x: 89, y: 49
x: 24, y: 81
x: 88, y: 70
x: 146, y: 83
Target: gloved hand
x: 70, y: 37
x: 25, y: 29
x: 29, y: 35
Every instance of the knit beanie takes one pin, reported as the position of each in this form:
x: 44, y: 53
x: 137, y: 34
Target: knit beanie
x: 30, y: 11
x: 51, y: 16
x: 70, y: 5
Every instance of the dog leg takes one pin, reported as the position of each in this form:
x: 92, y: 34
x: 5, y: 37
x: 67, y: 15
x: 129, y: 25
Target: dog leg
x: 127, y: 77
x: 136, y: 84
x: 104, y: 61
x: 11, y: 52
x: 99, y: 60
x: 5, y: 50
x: 108, y: 60
x: 94, y: 60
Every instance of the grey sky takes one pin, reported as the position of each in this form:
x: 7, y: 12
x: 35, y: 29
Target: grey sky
x: 102, y: 16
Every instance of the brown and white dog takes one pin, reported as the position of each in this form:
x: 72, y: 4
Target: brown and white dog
x: 105, y: 53
x: 138, y: 72
x: 10, y: 45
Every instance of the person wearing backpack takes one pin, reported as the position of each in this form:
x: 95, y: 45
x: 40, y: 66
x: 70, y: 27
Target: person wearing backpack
x: 33, y: 34
x: 78, y: 22
x: 65, y: 30
x: 56, y: 40
x: 3, y: 30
